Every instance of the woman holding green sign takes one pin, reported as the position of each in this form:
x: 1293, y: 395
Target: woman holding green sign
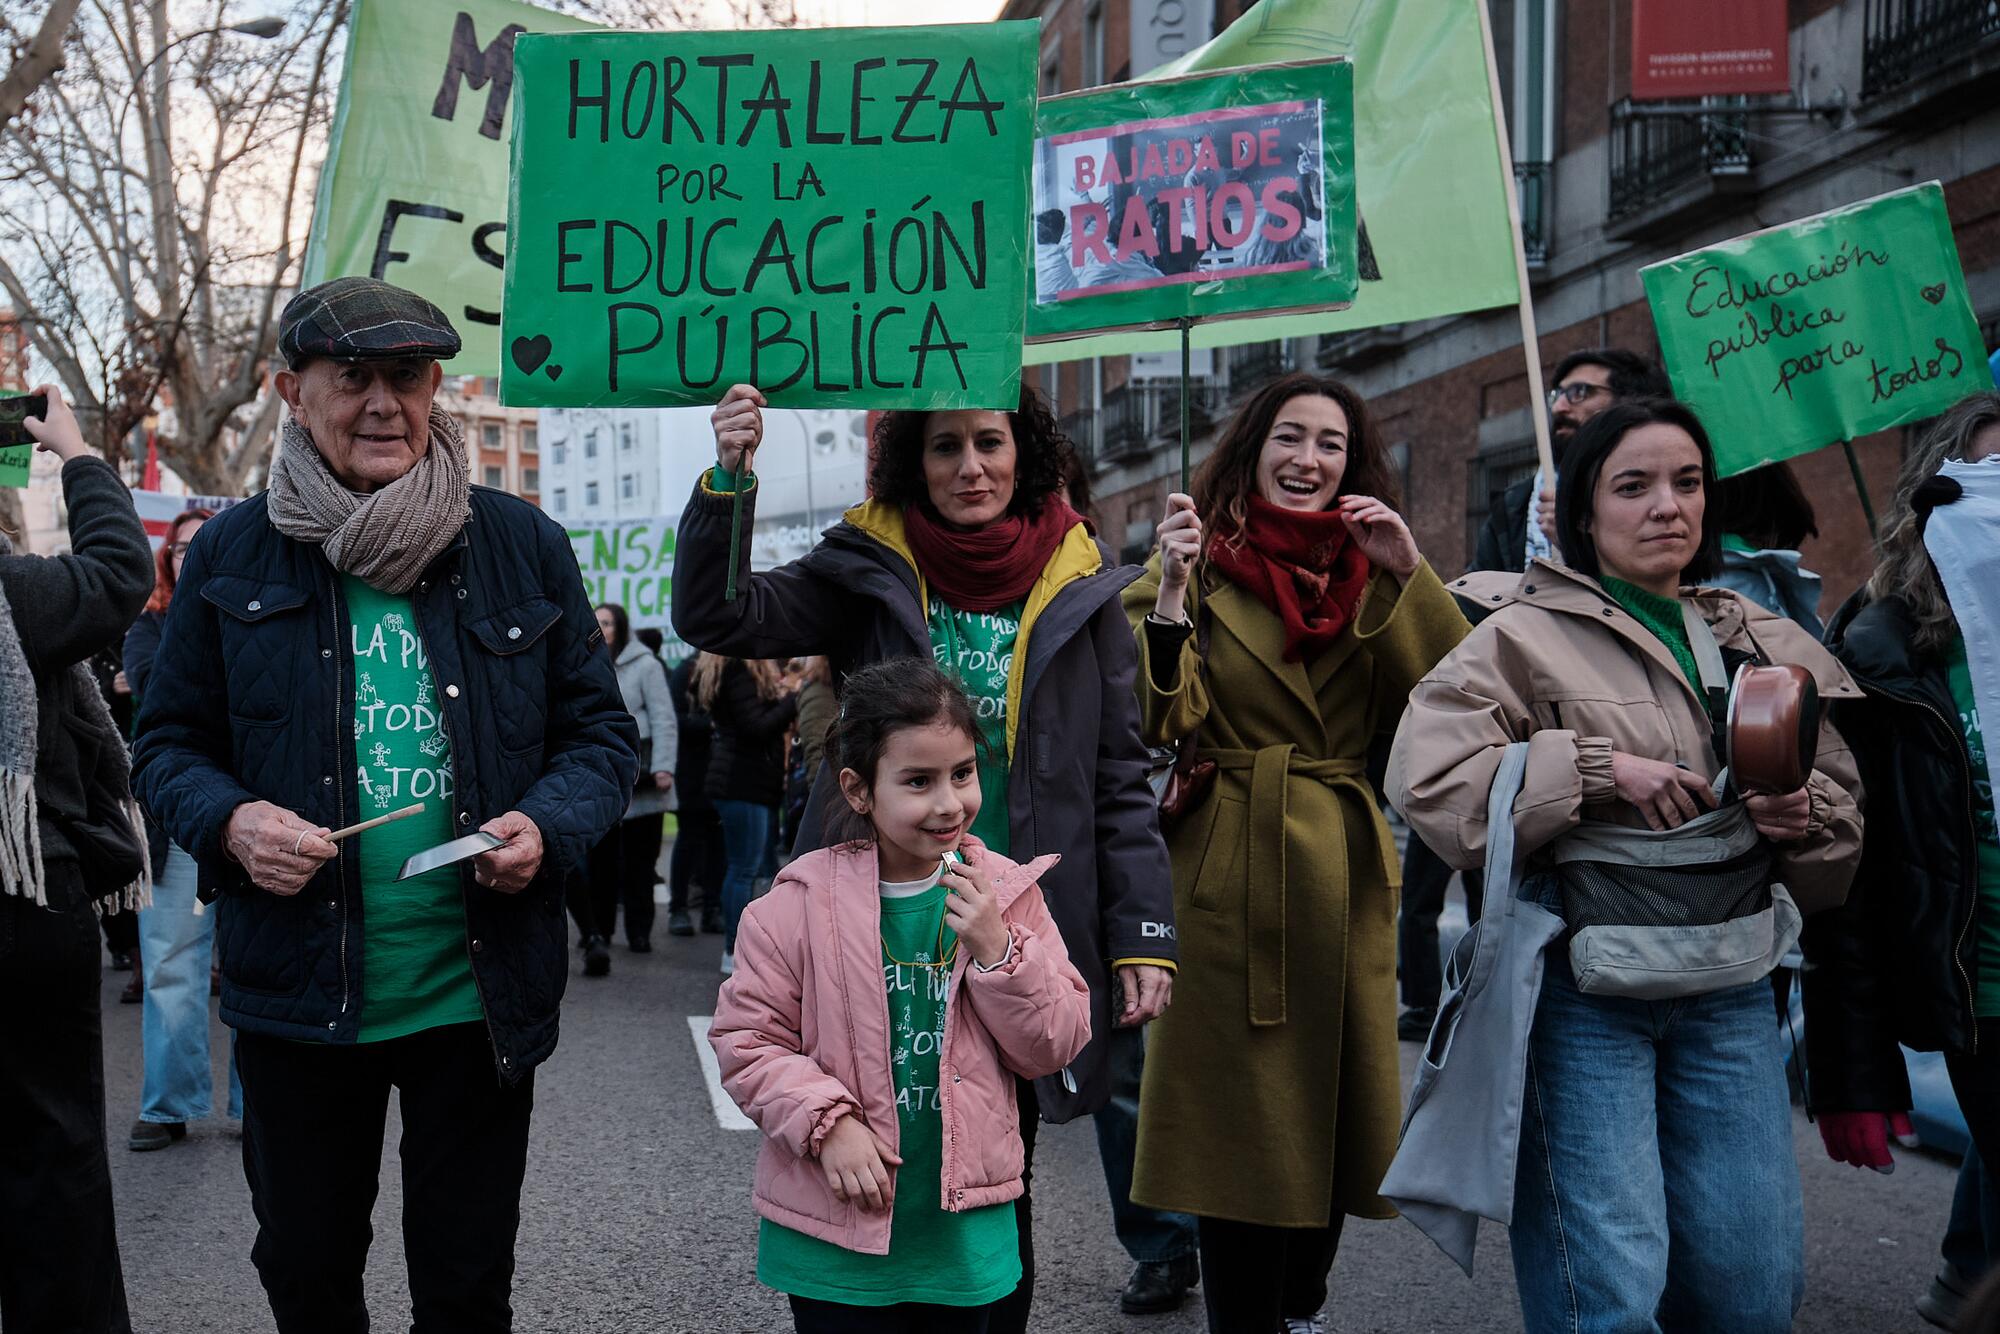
x: 970, y: 554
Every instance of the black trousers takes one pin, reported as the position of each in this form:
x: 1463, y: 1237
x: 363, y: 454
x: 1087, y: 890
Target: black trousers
x: 58, y: 1241
x: 313, y: 1121
x: 621, y: 871
x: 816, y: 1317
x: 1425, y: 879
x: 1254, y: 1278
x: 1010, y: 1313
x: 699, y: 858
x: 1975, y: 1078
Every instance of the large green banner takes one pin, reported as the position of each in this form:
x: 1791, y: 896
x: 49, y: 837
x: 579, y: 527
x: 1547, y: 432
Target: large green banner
x: 1434, y: 235
x: 836, y: 216
x: 1203, y: 197
x: 631, y: 562
x: 414, y: 188
x: 1823, y: 330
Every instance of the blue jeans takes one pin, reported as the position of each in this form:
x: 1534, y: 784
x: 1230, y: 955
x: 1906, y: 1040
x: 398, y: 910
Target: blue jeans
x: 1657, y: 1188
x: 175, y: 949
x: 1975, y: 1217
x: 1149, y: 1236
x: 746, y: 843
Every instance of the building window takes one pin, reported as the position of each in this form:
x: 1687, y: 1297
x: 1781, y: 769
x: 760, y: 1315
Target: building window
x: 628, y: 487
x: 590, y: 495
x: 492, y: 476
x: 531, y: 479
x: 1093, y: 44
x: 562, y: 500
x: 1052, y: 75
x: 1524, y: 38
x: 625, y: 437
x: 489, y: 435
x: 590, y: 444
x: 560, y: 454
x: 530, y: 440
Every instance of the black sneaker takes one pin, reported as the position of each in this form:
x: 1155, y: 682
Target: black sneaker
x: 1414, y: 1024
x: 596, y: 957
x: 679, y: 923
x: 149, y: 1135
x: 1159, y: 1287
x: 711, y: 921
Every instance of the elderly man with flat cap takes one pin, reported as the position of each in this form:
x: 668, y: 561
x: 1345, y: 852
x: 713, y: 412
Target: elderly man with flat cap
x: 370, y: 634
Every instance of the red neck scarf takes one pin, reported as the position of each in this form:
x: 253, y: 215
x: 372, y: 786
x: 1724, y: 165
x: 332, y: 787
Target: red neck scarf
x: 1303, y: 566
x: 985, y: 569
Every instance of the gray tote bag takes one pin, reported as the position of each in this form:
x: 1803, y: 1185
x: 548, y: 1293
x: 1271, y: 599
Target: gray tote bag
x: 1462, y: 1132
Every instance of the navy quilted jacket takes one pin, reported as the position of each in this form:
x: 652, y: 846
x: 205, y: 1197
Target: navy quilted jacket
x: 252, y: 698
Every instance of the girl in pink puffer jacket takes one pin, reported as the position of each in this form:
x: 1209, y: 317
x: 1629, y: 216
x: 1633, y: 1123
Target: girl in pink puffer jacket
x: 887, y: 992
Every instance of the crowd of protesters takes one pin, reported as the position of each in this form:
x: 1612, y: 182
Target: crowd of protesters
x: 997, y: 831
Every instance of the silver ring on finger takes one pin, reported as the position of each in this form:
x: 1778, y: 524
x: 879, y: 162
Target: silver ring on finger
x: 300, y: 841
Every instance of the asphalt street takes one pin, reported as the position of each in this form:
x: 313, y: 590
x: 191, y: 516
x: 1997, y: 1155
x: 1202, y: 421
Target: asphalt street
x: 637, y: 1215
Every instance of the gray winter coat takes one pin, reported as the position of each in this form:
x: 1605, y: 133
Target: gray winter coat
x: 1077, y: 780
x: 642, y: 680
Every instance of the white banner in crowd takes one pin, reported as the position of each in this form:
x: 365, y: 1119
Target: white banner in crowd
x: 157, y: 509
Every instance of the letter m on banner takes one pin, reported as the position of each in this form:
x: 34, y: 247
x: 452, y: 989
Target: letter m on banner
x: 478, y: 68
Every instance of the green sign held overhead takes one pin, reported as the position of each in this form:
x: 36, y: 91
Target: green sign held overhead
x: 1204, y: 197
x: 837, y: 216
x: 1822, y: 330
x: 414, y: 189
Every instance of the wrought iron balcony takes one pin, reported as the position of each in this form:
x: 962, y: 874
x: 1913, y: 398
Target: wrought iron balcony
x: 1081, y: 428
x: 1904, y: 40
x: 1535, y: 183
x: 1654, y: 156
x: 1253, y: 365
x: 1124, y: 415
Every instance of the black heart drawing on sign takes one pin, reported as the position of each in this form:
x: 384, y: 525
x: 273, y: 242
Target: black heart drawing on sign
x: 555, y: 371
x: 530, y: 353
x: 1934, y: 293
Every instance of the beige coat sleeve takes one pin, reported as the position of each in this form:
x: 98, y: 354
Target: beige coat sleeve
x: 1461, y: 716
x: 1166, y: 713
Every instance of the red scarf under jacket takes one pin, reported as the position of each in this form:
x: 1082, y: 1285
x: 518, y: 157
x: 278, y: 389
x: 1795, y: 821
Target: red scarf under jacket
x: 985, y: 569
x: 1303, y: 566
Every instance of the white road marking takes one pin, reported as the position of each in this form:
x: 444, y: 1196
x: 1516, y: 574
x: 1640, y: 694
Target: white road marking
x: 727, y: 1114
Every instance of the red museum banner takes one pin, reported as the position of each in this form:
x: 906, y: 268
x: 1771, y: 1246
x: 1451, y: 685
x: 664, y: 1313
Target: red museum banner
x: 1701, y: 48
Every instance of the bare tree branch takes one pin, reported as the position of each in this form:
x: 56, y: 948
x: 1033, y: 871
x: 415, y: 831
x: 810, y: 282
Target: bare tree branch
x: 43, y: 57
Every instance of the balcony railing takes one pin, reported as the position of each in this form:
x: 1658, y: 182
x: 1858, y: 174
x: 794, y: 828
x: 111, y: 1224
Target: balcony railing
x: 1253, y: 365
x: 1652, y: 156
x: 1535, y: 182
x: 1904, y: 40
x: 1081, y: 428
x: 1125, y: 415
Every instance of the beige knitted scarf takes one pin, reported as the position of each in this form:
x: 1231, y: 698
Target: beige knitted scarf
x: 386, y: 538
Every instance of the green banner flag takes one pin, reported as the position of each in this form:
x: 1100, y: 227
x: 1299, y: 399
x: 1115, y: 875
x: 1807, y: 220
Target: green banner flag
x: 1207, y: 197
x: 836, y: 216
x: 631, y: 562
x: 1822, y: 330
x: 414, y: 188
x: 1434, y: 234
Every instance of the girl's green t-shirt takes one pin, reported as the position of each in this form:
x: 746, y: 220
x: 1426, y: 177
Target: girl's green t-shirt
x: 415, y: 972
x: 937, y: 1257
x: 977, y: 647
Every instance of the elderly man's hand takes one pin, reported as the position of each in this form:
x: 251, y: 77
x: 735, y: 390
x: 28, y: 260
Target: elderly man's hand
x: 509, y: 869
x: 280, y: 851
x: 1145, y: 990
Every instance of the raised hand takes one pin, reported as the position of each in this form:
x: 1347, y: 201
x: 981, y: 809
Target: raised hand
x: 738, y: 422
x: 1381, y: 534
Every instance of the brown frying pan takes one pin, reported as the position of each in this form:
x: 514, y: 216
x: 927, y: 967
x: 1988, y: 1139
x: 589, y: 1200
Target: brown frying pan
x: 1773, y: 728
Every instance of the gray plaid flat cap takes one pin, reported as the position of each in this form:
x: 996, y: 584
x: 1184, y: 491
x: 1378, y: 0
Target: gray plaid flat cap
x: 362, y: 319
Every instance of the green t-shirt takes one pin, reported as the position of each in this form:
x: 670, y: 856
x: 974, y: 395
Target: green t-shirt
x: 1663, y: 617
x: 415, y: 971
x: 1986, y: 1001
x: 946, y: 1259
x: 977, y: 647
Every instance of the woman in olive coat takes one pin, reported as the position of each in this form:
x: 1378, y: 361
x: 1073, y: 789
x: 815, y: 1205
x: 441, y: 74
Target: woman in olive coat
x: 1271, y: 1098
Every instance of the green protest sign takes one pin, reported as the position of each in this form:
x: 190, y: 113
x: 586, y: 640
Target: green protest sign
x: 1823, y: 330
x: 414, y: 189
x: 14, y: 464
x: 630, y: 562
x: 1204, y: 197
x: 837, y: 216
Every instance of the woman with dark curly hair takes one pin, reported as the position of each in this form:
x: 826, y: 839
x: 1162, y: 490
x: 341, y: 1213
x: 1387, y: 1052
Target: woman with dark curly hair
x: 969, y: 552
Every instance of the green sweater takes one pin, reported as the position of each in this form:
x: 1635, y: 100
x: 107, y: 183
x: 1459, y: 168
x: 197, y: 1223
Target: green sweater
x: 1663, y: 617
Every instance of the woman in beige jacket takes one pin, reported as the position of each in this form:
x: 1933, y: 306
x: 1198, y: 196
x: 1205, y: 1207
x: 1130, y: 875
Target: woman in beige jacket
x: 1656, y: 1185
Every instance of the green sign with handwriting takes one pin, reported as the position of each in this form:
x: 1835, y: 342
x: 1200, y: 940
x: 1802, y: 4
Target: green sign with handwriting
x: 1822, y: 330
x: 837, y: 216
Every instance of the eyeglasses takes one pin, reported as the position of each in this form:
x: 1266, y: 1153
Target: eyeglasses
x: 179, y: 548
x: 1575, y: 393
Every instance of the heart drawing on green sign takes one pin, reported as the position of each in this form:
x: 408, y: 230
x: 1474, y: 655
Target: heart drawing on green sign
x: 1934, y: 293
x: 530, y: 353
